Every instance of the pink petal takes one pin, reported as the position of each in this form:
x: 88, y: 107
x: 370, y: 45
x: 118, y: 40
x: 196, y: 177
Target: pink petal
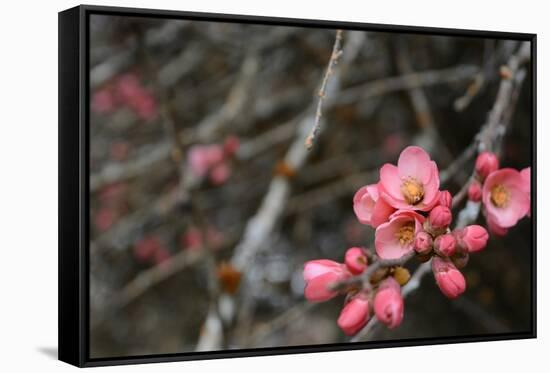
x: 518, y: 203
x: 390, y: 182
x: 363, y: 205
x: 319, y: 267
x: 381, y: 213
x: 386, y: 244
x: 415, y: 162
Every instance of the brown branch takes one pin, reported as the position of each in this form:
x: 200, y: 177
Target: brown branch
x: 336, y: 53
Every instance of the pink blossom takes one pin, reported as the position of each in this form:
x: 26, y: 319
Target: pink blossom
x: 131, y: 93
x: 356, y: 260
x: 161, y: 256
x: 526, y: 177
x: 474, y: 191
x: 231, y: 145
x: 318, y: 275
x: 192, y: 238
x: 494, y: 228
x: 413, y: 184
x: 504, y: 198
x: 354, y: 315
x: 396, y: 237
x: 486, y: 163
x: 369, y: 207
x: 105, y: 218
x: 449, y: 279
x: 445, y: 244
x: 423, y: 242
x: 144, y: 105
x: 388, y: 303
x: 445, y: 198
x: 146, y: 248
x: 473, y: 238
x: 219, y: 174
x: 103, y: 101
x: 202, y: 158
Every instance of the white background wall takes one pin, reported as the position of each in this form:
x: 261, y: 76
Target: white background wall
x: 28, y: 184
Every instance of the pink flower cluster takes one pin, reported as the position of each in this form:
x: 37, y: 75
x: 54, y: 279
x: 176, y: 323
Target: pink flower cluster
x: 407, y: 209
x: 505, y: 193
x: 212, y: 161
x: 125, y: 91
x: 387, y: 304
x: 412, y: 216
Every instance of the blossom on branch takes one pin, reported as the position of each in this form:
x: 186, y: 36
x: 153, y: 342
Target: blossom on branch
x: 413, y: 184
x: 412, y: 218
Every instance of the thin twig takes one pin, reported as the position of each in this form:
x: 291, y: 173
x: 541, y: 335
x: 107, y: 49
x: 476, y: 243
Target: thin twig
x: 336, y: 53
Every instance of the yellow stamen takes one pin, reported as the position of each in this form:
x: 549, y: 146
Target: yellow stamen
x: 500, y: 196
x: 405, y: 234
x: 412, y: 190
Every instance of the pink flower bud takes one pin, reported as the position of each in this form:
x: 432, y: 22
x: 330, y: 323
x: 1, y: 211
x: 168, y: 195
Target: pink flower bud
x: 231, y: 145
x: 474, y: 191
x: 388, y: 303
x: 440, y: 217
x: 445, y: 244
x: 423, y: 242
x: 355, y: 260
x: 220, y: 174
x: 319, y: 275
x: 445, y: 198
x: 449, y: 279
x: 354, y: 315
x: 486, y: 163
x: 474, y: 238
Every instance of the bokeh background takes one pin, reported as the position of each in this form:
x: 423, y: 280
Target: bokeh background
x: 166, y: 245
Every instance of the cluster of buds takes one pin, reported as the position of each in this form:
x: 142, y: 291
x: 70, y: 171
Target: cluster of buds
x: 125, y: 91
x: 384, y: 299
x: 505, y: 193
x: 212, y: 161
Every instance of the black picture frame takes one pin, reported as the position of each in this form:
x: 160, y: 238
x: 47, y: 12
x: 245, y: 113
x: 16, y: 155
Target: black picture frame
x: 74, y: 184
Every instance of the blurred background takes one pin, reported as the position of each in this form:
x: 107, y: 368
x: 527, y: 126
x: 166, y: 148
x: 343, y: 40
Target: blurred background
x: 186, y: 256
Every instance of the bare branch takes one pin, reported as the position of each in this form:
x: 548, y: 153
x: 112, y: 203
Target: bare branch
x: 336, y: 53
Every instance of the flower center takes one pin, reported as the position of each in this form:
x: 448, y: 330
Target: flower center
x: 412, y: 190
x: 500, y: 196
x: 405, y: 234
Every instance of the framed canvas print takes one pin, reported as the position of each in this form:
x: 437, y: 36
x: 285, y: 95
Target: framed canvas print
x: 235, y: 186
